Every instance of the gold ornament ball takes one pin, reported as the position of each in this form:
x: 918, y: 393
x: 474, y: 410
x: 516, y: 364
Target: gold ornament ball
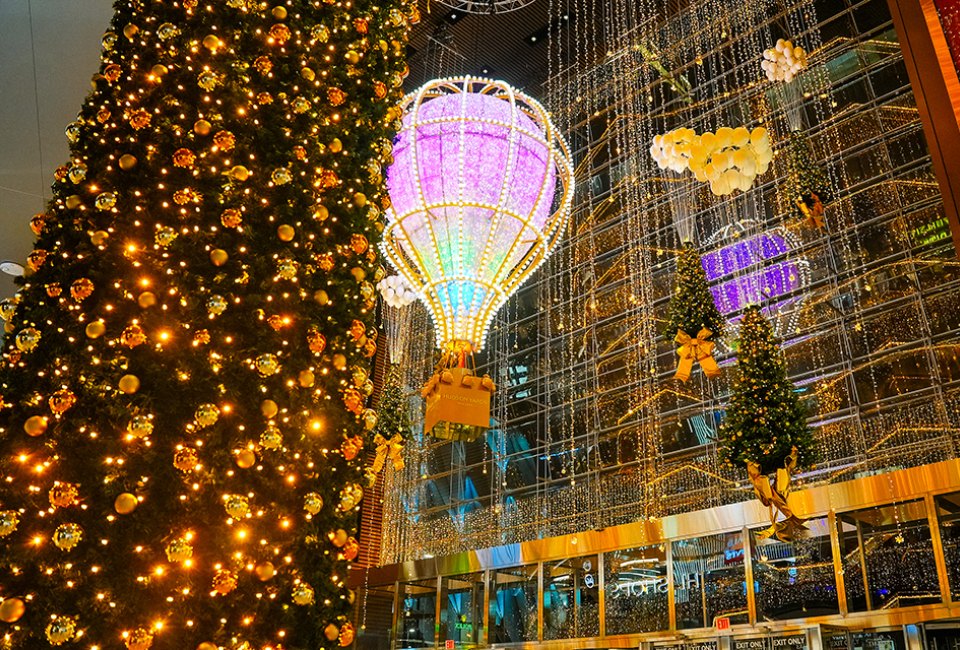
x: 159, y: 70
x: 202, y: 127
x: 129, y: 384
x: 239, y: 173
x: 265, y: 571
x: 73, y: 202
x: 339, y: 362
x: 9, y: 520
x: 27, y: 339
x: 206, y: 645
x: 125, y: 503
x: 140, y: 426
x: 11, y: 610
x: 36, y: 425
x: 237, y: 506
x: 207, y: 415
x: 67, y: 536
x: 128, y: 162
x: 105, y: 201
x: 313, y: 503
x: 267, y: 364
x: 358, y: 274
x: 303, y: 594
x: 321, y: 213
x: 321, y: 297
x: 269, y: 408
x: 245, y: 459
x: 286, y: 232
x: 331, y: 632
x: 271, y: 438
x: 352, y: 57
x: 216, y: 305
x: 140, y: 639
x: 130, y: 30
x: 360, y: 199
x: 147, y: 299
x: 99, y: 237
x: 347, y: 635
x: 60, y: 631
x: 211, y: 42
x: 306, y: 378
x: 339, y: 537
x: 224, y: 582
x: 179, y: 550
x: 95, y: 329
x: 219, y: 256
x: 335, y: 145
x: 279, y: 12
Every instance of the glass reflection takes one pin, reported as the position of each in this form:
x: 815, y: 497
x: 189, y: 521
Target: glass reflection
x: 635, y: 587
x: 948, y: 512
x: 461, y: 609
x: 795, y: 579
x: 513, y: 605
x: 891, y: 548
x: 418, y: 612
x: 709, y: 580
x: 571, y: 600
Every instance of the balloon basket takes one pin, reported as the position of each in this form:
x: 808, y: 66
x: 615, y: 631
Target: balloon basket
x: 457, y: 404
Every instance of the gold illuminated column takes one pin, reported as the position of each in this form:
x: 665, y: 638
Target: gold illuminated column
x: 937, y: 90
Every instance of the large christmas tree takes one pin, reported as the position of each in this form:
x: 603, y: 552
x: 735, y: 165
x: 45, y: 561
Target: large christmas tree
x: 764, y: 421
x: 184, y: 382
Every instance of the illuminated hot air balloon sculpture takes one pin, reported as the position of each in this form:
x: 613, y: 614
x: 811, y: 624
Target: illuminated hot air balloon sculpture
x: 481, y: 186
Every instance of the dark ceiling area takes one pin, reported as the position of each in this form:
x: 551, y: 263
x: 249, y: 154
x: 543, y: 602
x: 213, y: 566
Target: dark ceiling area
x: 511, y: 46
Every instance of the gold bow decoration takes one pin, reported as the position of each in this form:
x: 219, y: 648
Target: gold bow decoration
x: 774, y: 496
x: 391, y: 449
x: 812, y: 208
x: 695, y: 349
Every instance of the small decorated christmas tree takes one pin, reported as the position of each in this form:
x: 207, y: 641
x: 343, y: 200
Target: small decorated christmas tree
x: 691, y: 312
x: 393, y: 423
x: 765, y: 428
x: 764, y: 419
x: 806, y: 185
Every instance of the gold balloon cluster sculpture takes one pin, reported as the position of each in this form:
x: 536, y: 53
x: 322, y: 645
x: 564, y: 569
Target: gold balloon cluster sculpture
x: 185, y: 381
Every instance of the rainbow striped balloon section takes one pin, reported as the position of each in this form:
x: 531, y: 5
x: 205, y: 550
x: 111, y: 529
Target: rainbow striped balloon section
x: 757, y: 270
x: 480, y: 186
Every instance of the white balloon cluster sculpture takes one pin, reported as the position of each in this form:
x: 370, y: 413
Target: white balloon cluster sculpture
x: 672, y: 150
x: 396, y: 292
x: 730, y: 159
x: 784, y: 61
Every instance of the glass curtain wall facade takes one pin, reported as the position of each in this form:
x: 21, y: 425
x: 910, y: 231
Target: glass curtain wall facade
x: 590, y: 429
x: 878, y: 559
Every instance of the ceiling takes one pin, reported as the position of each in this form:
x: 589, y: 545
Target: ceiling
x: 49, y: 49
x: 44, y: 76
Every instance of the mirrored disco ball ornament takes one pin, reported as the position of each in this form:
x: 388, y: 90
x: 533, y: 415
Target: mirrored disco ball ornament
x: 481, y: 187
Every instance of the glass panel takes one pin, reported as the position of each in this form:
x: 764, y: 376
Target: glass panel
x: 513, y: 605
x: 373, y: 609
x: 571, y: 598
x: 635, y: 585
x: 416, y: 624
x: 948, y: 513
x: 461, y: 609
x: 795, y: 579
x: 890, y: 545
x: 709, y: 580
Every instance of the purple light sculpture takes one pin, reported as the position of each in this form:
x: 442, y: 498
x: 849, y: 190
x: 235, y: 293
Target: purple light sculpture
x: 742, y: 273
x: 481, y: 186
